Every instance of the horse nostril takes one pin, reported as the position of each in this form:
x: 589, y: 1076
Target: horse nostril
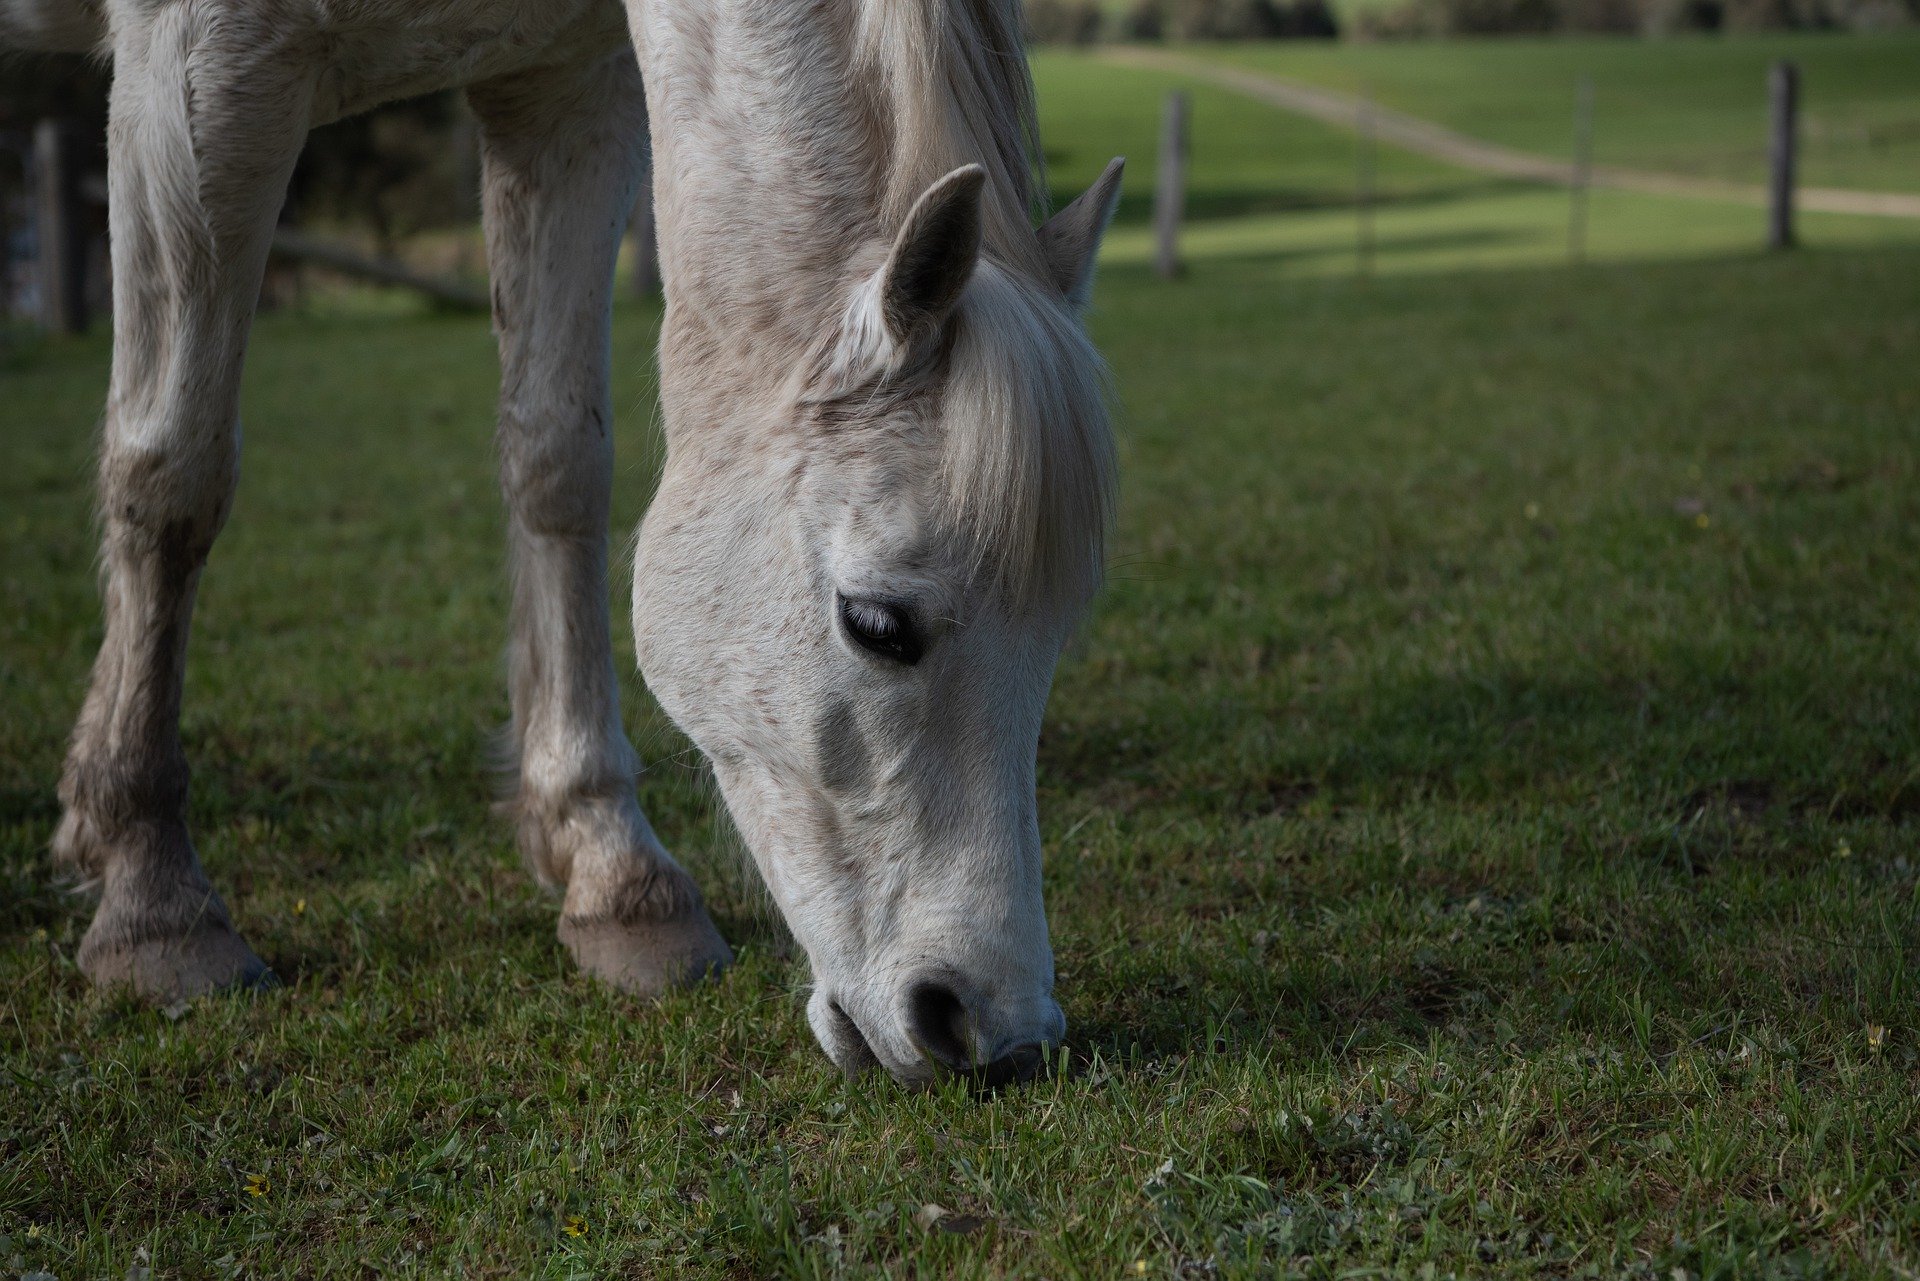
x: 947, y: 1033
x: 937, y: 1022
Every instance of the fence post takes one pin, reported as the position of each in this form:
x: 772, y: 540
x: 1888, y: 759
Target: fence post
x: 1783, y: 86
x: 646, y: 241
x: 6, y: 243
x: 1582, y: 170
x: 60, y: 227
x: 1363, y: 190
x: 1170, y: 192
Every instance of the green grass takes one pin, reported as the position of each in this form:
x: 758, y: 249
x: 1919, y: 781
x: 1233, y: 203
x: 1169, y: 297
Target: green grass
x: 1480, y: 819
x: 1693, y: 106
x: 1458, y: 855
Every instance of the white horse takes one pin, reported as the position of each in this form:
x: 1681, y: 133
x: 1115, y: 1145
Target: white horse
x: 887, y: 479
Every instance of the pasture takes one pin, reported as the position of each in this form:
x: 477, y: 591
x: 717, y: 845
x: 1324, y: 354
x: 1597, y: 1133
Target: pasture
x: 1685, y: 105
x: 1276, y: 192
x: 1480, y: 816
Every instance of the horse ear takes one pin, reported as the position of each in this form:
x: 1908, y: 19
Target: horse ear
x: 1070, y: 240
x: 933, y: 256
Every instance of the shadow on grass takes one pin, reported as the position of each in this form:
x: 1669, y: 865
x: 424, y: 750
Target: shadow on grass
x: 1687, y: 727
x: 1653, y: 986
x: 1624, y: 858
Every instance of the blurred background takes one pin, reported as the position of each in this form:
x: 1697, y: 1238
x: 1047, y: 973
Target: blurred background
x: 1355, y: 136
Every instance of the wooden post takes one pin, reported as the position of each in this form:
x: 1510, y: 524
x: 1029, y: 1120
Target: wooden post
x: 1582, y: 170
x: 646, y: 241
x: 1170, y: 194
x: 465, y: 140
x: 1783, y: 85
x: 1363, y: 190
x: 6, y: 245
x: 60, y: 228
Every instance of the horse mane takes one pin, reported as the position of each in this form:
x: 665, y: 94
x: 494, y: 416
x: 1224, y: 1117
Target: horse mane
x: 1027, y: 464
x: 954, y: 89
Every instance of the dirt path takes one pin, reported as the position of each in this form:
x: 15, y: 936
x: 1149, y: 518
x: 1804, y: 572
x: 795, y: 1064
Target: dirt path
x: 1415, y: 134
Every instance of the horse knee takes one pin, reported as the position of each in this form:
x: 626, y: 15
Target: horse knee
x: 557, y: 473
x: 169, y: 502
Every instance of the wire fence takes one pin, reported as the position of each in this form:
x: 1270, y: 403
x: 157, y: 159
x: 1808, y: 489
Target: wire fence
x: 54, y: 270
x: 1777, y: 122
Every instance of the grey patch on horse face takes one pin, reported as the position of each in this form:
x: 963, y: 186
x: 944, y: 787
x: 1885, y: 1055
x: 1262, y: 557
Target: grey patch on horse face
x: 845, y: 764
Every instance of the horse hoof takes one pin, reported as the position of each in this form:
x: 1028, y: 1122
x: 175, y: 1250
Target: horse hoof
x: 163, y: 971
x: 648, y: 959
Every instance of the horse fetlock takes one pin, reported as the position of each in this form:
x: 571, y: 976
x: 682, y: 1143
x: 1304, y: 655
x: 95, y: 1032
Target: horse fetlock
x: 77, y: 846
x: 587, y: 845
x: 112, y: 806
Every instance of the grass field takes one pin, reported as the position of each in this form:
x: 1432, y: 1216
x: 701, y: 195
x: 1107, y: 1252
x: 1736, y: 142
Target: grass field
x: 1480, y: 819
x: 1693, y: 106
x: 1275, y: 192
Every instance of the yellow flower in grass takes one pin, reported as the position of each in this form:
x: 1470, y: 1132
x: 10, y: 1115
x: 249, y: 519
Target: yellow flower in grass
x: 1702, y: 520
x: 299, y: 907
x: 1876, y: 1036
x: 575, y: 1226
x: 258, y: 1185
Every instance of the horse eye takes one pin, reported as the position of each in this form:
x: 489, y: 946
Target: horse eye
x: 881, y: 627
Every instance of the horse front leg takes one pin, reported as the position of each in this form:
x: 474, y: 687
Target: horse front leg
x: 196, y: 179
x: 562, y: 156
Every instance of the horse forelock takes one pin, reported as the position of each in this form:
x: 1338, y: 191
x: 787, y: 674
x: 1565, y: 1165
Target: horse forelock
x: 1020, y: 448
x: 1027, y: 452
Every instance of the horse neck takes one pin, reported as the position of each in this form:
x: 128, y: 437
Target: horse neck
x: 790, y: 138
x: 763, y: 159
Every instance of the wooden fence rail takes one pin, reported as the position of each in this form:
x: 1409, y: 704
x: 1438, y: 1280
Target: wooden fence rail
x: 298, y: 247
